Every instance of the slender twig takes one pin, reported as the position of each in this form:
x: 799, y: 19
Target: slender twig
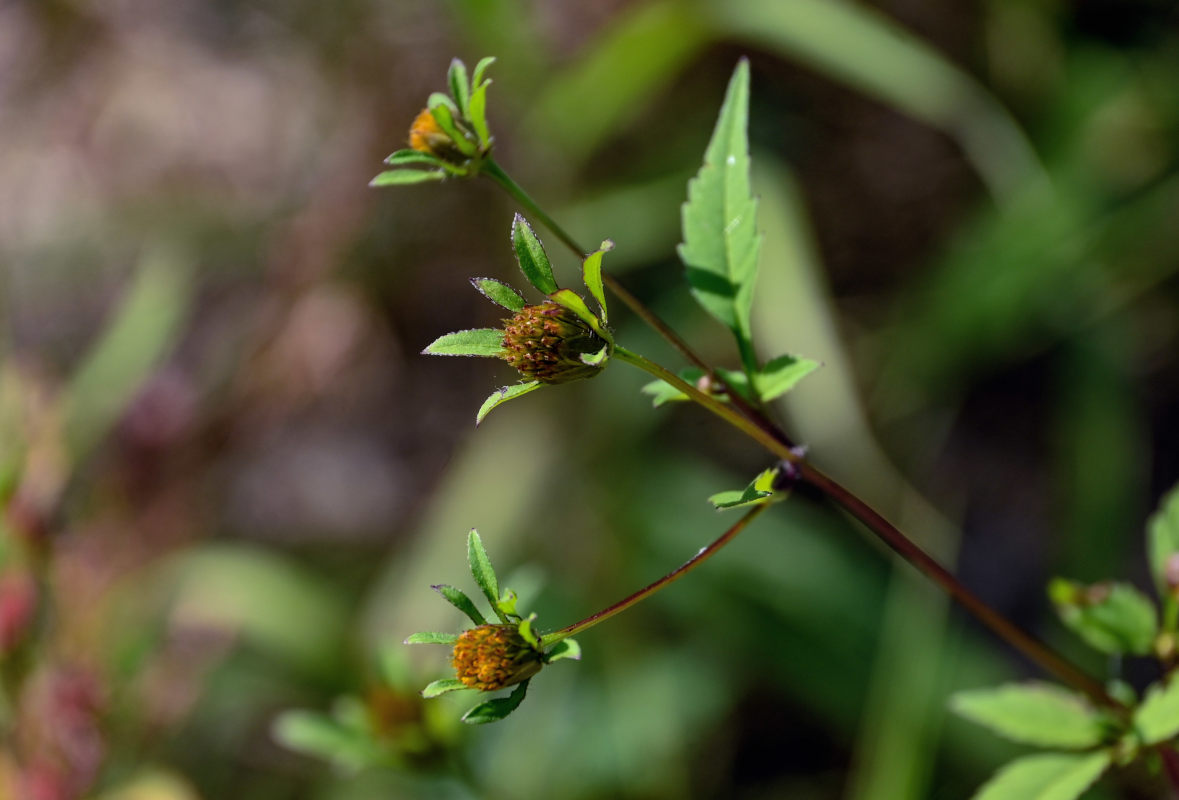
x: 689, y: 565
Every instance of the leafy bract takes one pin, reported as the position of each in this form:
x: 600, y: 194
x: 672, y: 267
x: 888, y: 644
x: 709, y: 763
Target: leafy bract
x: 431, y: 637
x: 721, y: 242
x: 1050, y: 776
x: 499, y: 293
x: 1034, y: 713
x: 482, y: 571
x: 497, y: 709
x: 442, y: 686
x: 458, y: 598
x: 1112, y: 617
x: 460, y: 85
x: 530, y: 254
x: 485, y: 342
x: 591, y: 272
x: 566, y: 648
x: 500, y: 396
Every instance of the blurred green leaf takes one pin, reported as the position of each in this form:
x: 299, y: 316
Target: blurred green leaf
x: 758, y: 490
x: 1157, y: 719
x: 1162, y: 543
x: 480, y: 68
x: 134, y: 342
x: 495, y: 710
x: 439, y: 687
x: 591, y: 270
x: 721, y: 240
x: 526, y: 631
x: 530, y: 254
x: 432, y: 637
x: 412, y: 157
x: 443, y: 109
x: 1046, y: 777
x: 321, y: 736
x: 1034, y: 713
x: 566, y: 648
x: 458, y: 598
x: 460, y: 85
x: 507, y: 603
x: 780, y: 375
x: 483, y: 342
x: 398, y: 177
x: 1114, y: 618
x: 482, y: 571
x: 662, y: 392
x: 503, y: 395
x: 499, y: 293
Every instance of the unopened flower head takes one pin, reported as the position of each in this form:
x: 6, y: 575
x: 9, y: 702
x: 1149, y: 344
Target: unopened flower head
x: 546, y: 342
x: 427, y: 136
x: 492, y: 657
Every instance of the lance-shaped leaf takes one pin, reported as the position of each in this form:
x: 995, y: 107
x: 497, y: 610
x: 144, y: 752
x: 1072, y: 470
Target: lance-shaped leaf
x: 1053, y: 776
x: 1034, y: 713
x: 780, y: 375
x: 1162, y: 532
x: 460, y: 85
x: 431, y: 637
x: 483, y: 342
x: 758, y: 491
x: 413, y: 157
x: 499, y: 293
x: 1114, y: 618
x: 566, y: 648
x: 480, y: 68
x: 458, y: 598
x: 591, y: 273
x: 477, y: 108
x: 721, y: 241
x: 572, y: 300
x: 401, y: 177
x: 435, y: 688
x: 495, y: 710
x: 500, y: 396
x: 482, y: 571
x: 1157, y: 719
x: 534, y: 263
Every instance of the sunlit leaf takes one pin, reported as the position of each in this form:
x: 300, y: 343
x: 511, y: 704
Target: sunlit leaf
x: 1062, y: 776
x: 435, y: 688
x: 458, y: 598
x: 484, y: 342
x: 1034, y: 713
x: 571, y: 300
x: 480, y: 68
x: 780, y: 375
x: 530, y: 254
x: 566, y: 648
x: 503, y: 395
x: 499, y: 293
x: 460, y: 86
x: 591, y: 270
x: 400, y: 177
x: 482, y: 571
x: 431, y: 637
x: 1157, y: 719
x: 758, y: 490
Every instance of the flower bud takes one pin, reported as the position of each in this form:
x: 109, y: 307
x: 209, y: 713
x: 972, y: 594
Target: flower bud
x: 546, y: 342
x: 494, y: 657
x: 427, y: 136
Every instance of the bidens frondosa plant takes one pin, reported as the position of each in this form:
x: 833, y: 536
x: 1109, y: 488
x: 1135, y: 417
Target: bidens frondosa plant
x: 1093, y: 725
x: 492, y: 656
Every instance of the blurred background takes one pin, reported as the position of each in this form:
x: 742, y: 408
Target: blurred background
x: 229, y: 480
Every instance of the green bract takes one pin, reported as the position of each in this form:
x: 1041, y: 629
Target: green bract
x: 557, y: 341
x: 492, y: 655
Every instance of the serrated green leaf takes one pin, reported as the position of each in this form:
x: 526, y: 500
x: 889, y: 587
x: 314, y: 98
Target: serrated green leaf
x: 1114, y: 618
x: 432, y: 637
x: 460, y: 86
x: 435, y: 688
x: 412, y: 157
x: 482, y: 571
x: 495, y: 710
x: 525, y: 629
x: 480, y: 68
x: 758, y: 490
x: 719, y: 220
x: 1157, y: 719
x: 780, y: 375
x: 482, y: 342
x: 572, y: 300
x: 566, y: 648
x: 503, y: 395
x: 1034, y: 713
x: 530, y: 254
x: 499, y: 293
x: 458, y: 598
x: 1050, y: 776
x: 402, y: 177
x: 1162, y: 540
x: 591, y: 272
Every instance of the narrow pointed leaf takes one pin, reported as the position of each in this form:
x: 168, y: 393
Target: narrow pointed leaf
x: 526, y: 632
x: 483, y: 342
x: 495, y: 710
x: 401, y: 177
x: 443, y: 111
x: 1050, y: 776
x: 499, y: 293
x: 431, y: 637
x: 591, y: 272
x: 719, y: 220
x: 780, y: 375
x: 758, y: 491
x: 1163, y: 541
x: 477, y: 113
x: 1157, y: 719
x: 435, y: 688
x: 1034, y: 713
x: 572, y: 301
x: 503, y: 395
x: 534, y: 263
x: 480, y: 68
x: 460, y: 86
x: 566, y: 648
x: 1112, y: 617
x: 458, y: 598
x: 482, y: 571
x: 412, y: 157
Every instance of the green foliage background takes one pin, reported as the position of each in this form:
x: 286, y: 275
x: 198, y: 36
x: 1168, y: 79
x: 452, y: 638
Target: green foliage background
x: 968, y: 217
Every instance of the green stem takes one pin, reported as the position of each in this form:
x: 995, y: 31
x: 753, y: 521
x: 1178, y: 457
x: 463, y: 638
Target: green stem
x: 642, y: 594
x: 889, y: 534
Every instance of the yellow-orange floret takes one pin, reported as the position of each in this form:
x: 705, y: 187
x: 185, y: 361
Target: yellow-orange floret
x: 494, y: 657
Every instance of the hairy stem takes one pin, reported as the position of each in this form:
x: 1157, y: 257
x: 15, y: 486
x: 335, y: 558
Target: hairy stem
x: 642, y: 594
x: 889, y: 534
